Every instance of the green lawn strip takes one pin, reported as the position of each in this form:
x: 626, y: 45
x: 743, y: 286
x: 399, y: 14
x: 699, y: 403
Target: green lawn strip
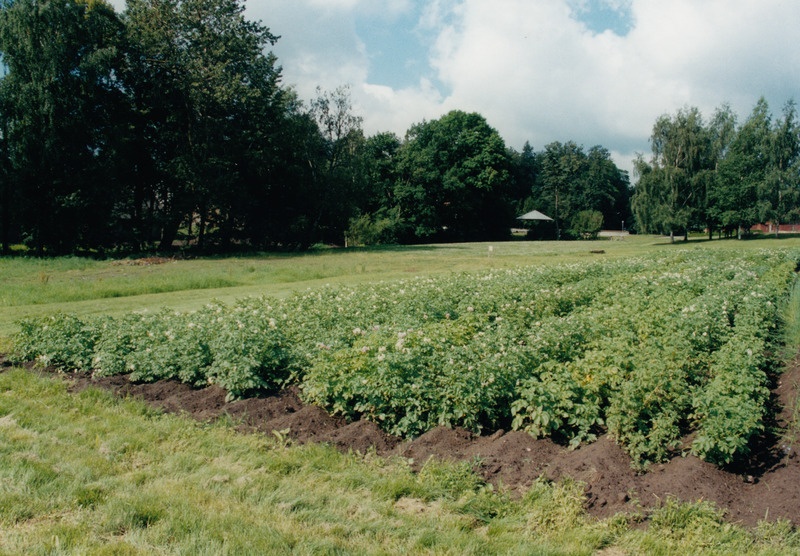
x: 31, y: 281
x: 36, y: 287
x: 86, y: 473
x: 90, y: 474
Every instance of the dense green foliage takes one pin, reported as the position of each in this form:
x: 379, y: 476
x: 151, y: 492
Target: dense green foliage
x: 571, y: 182
x: 719, y: 176
x: 168, y: 125
x: 649, y: 348
x: 453, y: 176
x: 60, y: 104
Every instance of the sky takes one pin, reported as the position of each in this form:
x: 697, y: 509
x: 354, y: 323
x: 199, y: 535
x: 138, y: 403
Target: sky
x: 596, y: 72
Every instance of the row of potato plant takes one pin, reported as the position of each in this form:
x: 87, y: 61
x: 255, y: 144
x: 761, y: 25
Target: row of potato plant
x: 648, y: 348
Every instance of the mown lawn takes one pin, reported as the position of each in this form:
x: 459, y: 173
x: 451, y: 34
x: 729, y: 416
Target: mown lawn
x: 36, y: 287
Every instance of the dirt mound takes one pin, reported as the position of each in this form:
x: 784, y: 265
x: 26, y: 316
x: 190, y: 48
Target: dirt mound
x: 146, y: 261
x: 767, y: 487
x: 361, y: 436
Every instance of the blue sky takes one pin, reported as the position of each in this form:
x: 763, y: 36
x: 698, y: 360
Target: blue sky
x: 591, y: 71
x: 396, y: 50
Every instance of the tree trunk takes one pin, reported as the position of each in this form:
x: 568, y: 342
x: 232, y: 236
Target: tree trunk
x: 5, y: 200
x: 5, y: 217
x: 37, y: 233
x: 201, y: 229
x: 168, y: 233
x: 226, y: 230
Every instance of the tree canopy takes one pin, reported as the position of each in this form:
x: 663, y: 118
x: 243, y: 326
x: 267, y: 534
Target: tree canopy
x: 61, y: 100
x: 168, y: 125
x: 453, y: 175
x: 571, y: 181
x: 719, y: 175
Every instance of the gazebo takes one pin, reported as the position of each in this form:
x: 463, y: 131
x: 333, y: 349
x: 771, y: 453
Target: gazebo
x: 534, y: 215
x: 539, y: 227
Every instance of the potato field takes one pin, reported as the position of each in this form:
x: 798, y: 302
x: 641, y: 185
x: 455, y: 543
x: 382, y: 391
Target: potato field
x: 666, y: 352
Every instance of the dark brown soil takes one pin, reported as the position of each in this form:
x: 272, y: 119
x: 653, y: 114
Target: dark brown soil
x: 767, y: 487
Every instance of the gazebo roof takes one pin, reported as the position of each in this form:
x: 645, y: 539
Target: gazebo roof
x: 534, y: 215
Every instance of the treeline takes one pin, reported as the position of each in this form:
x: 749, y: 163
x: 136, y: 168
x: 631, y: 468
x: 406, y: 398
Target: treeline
x: 169, y: 123
x: 719, y: 175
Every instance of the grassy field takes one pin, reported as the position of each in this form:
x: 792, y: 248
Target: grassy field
x: 90, y: 474
x: 36, y: 287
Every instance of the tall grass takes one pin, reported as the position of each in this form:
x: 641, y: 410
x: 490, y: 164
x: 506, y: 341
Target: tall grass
x: 89, y: 474
x: 791, y: 320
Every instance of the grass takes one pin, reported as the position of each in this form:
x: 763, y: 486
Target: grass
x: 791, y: 339
x: 791, y: 320
x: 90, y: 474
x: 36, y: 287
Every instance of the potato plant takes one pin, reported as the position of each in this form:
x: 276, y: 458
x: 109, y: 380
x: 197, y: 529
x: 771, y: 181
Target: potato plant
x: 648, y: 349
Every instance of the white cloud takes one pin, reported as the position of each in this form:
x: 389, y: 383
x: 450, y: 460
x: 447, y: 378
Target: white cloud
x: 318, y: 47
x: 538, y: 74
x: 396, y: 109
x: 334, y: 4
x: 732, y: 51
x: 436, y: 14
x: 385, y: 8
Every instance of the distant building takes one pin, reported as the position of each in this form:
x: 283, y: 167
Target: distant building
x: 769, y: 228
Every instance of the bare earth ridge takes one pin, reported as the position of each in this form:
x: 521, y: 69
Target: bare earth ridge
x: 768, y: 486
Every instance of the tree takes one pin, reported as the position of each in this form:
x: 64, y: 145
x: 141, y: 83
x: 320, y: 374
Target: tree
x: 681, y: 152
x: 337, y: 162
x: 524, y: 173
x: 650, y: 199
x: 721, y: 131
x: 7, y: 191
x: 586, y: 224
x: 742, y: 173
x: 378, y: 220
x: 277, y: 198
x: 453, y: 181
x: 608, y: 188
x: 381, y: 153
x: 778, y: 193
x: 570, y: 180
x: 63, y: 111
x: 562, y: 170
x: 200, y: 75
